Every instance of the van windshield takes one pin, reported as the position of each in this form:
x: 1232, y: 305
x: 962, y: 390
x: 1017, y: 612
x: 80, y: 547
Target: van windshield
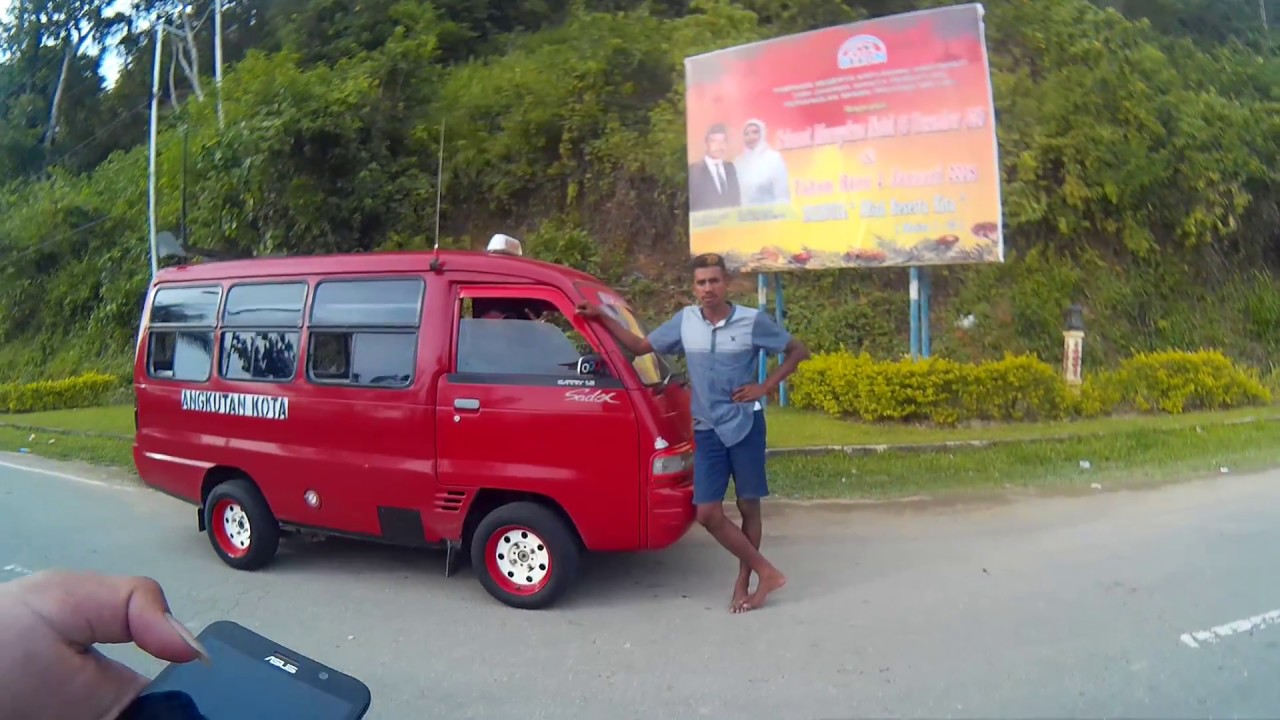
x: 650, y: 368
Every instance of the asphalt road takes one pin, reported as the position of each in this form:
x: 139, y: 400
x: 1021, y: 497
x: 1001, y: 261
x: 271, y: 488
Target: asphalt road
x: 1031, y: 607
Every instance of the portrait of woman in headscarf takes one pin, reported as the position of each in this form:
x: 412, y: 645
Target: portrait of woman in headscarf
x: 762, y: 174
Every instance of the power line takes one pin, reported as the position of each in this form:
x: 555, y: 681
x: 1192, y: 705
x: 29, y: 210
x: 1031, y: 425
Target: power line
x: 41, y: 245
x: 105, y: 129
x: 26, y: 88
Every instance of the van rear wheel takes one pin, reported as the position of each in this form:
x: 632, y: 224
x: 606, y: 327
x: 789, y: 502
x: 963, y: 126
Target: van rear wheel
x: 525, y: 555
x: 241, y: 527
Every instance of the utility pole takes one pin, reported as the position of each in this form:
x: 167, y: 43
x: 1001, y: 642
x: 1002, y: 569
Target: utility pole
x: 151, y: 159
x: 1266, y: 29
x: 217, y: 55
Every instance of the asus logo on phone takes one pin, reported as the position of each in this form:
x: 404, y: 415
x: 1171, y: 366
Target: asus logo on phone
x: 287, y: 667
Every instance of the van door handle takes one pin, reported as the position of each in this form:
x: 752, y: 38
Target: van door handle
x: 466, y: 404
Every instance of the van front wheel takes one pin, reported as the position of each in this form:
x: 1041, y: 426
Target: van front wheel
x: 524, y: 555
x: 241, y: 527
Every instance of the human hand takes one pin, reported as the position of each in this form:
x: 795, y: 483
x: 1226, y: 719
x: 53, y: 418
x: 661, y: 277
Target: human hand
x: 50, y: 623
x: 750, y: 393
x: 589, y: 311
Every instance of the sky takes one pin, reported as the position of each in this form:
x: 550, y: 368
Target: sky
x: 112, y: 60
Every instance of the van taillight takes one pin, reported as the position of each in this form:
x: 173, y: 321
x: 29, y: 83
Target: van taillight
x: 672, y: 463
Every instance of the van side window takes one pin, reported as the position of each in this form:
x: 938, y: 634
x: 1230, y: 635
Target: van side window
x: 180, y: 333
x: 517, y: 337
x: 365, y: 332
x: 261, y: 331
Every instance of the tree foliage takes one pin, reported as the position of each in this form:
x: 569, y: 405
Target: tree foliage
x: 1139, y: 145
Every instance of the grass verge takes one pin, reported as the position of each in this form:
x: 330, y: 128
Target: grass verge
x: 1127, y: 454
x: 1122, y: 458
x: 97, y: 450
x: 109, y: 420
x: 788, y: 427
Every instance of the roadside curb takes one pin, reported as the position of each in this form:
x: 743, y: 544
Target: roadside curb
x: 815, y: 450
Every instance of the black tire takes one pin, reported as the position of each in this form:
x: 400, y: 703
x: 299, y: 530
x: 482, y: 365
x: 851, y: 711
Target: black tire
x: 263, y: 538
x: 519, y: 538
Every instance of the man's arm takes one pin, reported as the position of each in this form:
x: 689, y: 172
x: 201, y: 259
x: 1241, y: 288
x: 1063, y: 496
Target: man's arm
x: 794, y: 353
x: 664, y: 339
x: 634, y: 344
x: 768, y: 336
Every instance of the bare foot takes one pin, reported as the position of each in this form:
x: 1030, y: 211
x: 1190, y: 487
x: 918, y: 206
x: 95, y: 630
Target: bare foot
x: 741, y: 589
x: 767, y: 584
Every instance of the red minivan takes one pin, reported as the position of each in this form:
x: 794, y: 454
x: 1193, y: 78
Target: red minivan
x: 430, y: 399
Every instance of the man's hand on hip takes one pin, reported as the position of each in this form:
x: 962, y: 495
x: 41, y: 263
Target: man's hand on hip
x: 750, y: 393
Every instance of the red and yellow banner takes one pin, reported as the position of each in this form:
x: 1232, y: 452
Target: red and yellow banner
x: 862, y: 145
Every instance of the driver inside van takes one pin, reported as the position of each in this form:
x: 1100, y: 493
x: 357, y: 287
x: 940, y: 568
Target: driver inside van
x: 505, y: 309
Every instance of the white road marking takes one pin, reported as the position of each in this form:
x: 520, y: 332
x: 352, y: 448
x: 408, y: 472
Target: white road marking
x: 17, y: 570
x: 65, y: 476
x: 1247, y: 625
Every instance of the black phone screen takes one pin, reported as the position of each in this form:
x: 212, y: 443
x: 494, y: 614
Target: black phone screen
x: 236, y: 686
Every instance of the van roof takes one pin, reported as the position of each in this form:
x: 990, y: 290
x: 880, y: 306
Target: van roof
x: 376, y: 262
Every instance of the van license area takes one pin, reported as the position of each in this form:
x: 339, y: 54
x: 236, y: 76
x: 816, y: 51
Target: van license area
x: 241, y: 404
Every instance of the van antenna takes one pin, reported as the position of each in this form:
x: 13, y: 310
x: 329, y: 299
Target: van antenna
x: 435, y: 262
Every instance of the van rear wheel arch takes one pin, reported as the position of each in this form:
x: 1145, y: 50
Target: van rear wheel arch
x: 219, y: 474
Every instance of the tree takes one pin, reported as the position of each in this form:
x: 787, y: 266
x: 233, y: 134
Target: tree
x: 72, y: 25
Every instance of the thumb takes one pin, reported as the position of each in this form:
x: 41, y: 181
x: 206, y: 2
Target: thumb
x: 86, y: 608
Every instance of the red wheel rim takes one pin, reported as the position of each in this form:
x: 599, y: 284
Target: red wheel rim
x: 231, y: 529
x: 518, y: 559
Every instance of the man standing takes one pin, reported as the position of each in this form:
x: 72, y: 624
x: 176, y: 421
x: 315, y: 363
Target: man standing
x: 721, y: 340
x: 713, y: 181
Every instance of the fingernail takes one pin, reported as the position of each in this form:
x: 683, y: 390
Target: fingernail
x: 189, y: 638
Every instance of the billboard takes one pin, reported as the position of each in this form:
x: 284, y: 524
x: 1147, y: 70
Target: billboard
x: 871, y: 144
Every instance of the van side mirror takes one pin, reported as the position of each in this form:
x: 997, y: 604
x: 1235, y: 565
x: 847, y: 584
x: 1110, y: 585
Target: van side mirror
x: 591, y: 365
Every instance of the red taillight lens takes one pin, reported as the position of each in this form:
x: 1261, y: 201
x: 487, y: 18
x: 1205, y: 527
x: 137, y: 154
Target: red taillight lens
x: 674, y: 463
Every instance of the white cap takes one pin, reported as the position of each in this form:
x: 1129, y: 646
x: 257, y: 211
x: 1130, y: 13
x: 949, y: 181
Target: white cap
x: 504, y: 245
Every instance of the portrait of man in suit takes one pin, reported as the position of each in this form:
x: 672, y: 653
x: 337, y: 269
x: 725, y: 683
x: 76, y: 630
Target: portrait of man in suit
x: 713, y: 181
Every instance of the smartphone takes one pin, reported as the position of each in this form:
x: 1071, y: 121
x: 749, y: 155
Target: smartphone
x: 250, y: 677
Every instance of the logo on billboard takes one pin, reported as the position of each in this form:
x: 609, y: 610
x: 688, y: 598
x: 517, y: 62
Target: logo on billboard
x: 861, y: 51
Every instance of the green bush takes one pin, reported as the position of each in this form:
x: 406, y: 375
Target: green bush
x: 937, y: 389
x: 85, y: 390
x: 1174, y: 382
x: 1018, y: 388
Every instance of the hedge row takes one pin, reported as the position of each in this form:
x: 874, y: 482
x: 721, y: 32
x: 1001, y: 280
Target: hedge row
x: 76, y: 392
x: 1019, y: 388
x: 936, y: 390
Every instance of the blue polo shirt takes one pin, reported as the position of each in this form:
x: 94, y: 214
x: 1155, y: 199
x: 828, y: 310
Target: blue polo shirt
x: 721, y: 359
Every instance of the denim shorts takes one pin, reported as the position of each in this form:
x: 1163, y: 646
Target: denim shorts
x: 713, y: 463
